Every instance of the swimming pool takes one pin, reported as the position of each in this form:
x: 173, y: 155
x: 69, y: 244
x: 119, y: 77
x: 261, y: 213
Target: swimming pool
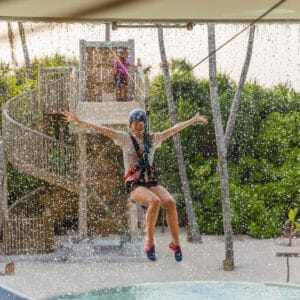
x: 192, y: 291
x: 9, y: 294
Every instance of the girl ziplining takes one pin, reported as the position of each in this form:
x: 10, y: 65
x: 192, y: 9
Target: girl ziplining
x: 141, y: 184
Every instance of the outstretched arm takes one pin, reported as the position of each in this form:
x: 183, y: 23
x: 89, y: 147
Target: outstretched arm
x: 73, y: 118
x: 176, y: 128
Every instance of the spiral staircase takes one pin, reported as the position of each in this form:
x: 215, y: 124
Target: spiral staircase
x: 81, y: 171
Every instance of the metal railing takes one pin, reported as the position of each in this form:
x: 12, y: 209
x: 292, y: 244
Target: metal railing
x: 27, y: 228
x: 28, y: 205
x: 140, y: 85
x: 27, y: 235
x: 31, y: 150
x: 58, y: 89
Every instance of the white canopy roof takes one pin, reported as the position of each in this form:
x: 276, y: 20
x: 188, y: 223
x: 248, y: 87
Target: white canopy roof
x: 197, y: 11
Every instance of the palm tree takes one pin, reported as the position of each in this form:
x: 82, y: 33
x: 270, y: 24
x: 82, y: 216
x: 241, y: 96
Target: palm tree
x: 222, y: 139
x: 228, y: 263
x: 196, y: 237
x: 237, y: 97
x: 25, y: 50
x: 12, y: 44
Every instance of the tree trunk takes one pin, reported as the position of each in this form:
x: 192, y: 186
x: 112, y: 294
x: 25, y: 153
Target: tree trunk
x: 25, y: 50
x: 228, y: 263
x: 237, y: 97
x: 195, y: 234
x: 12, y: 45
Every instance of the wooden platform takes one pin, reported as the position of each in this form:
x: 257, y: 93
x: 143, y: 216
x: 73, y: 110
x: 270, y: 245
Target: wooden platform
x: 113, y: 113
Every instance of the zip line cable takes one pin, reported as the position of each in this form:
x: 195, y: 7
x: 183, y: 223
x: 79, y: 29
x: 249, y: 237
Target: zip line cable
x: 237, y: 34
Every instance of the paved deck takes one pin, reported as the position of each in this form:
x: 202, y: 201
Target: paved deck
x: 255, y: 261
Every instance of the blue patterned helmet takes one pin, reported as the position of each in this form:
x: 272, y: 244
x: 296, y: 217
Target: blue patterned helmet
x: 137, y: 115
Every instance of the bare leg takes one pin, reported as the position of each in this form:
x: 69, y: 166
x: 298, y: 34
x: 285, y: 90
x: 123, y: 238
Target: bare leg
x: 145, y: 196
x: 123, y: 92
x: 169, y: 204
x: 118, y: 86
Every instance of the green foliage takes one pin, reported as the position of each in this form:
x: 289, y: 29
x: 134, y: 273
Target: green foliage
x: 263, y: 159
x: 207, y: 202
x: 294, y: 224
x: 247, y: 122
x: 180, y: 68
x: 253, y: 213
x: 292, y: 217
x: 10, y: 86
x: 278, y: 134
x: 15, y: 83
x: 48, y: 61
x: 266, y: 225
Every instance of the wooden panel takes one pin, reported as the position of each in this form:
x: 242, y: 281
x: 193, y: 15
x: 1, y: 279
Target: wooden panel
x: 100, y: 80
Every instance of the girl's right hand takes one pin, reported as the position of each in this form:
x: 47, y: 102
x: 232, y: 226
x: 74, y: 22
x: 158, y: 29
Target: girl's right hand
x: 70, y: 116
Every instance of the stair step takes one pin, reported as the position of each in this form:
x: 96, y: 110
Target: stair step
x: 110, y: 244
x: 96, y: 246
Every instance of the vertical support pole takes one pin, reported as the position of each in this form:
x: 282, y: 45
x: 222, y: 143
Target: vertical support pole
x: 82, y: 170
x: 49, y: 230
x: 82, y: 69
x: 73, y: 93
x: 4, y: 191
x: 288, y: 269
x: 139, y: 83
x: 4, y: 202
x: 146, y: 95
x: 107, y: 32
x: 131, y: 74
x: 133, y: 221
x: 40, y: 89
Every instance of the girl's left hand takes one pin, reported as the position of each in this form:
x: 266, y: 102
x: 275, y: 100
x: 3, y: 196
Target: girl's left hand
x: 203, y: 119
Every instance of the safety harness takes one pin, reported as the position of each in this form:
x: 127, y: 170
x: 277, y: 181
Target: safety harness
x: 143, y: 165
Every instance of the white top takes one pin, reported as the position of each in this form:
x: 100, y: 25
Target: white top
x: 130, y: 157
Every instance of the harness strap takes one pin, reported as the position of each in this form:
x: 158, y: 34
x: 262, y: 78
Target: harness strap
x: 137, y: 167
x: 131, y: 172
x: 138, y: 151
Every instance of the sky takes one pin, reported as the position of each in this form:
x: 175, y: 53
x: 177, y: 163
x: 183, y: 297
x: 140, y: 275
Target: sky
x: 275, y: 58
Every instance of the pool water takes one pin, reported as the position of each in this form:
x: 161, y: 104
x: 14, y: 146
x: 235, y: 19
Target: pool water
x: 191, y: 291
x: 7, y: 293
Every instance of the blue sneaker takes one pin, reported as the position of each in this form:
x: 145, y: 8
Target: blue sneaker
x: 177, y: 251
x: 150, y: 252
